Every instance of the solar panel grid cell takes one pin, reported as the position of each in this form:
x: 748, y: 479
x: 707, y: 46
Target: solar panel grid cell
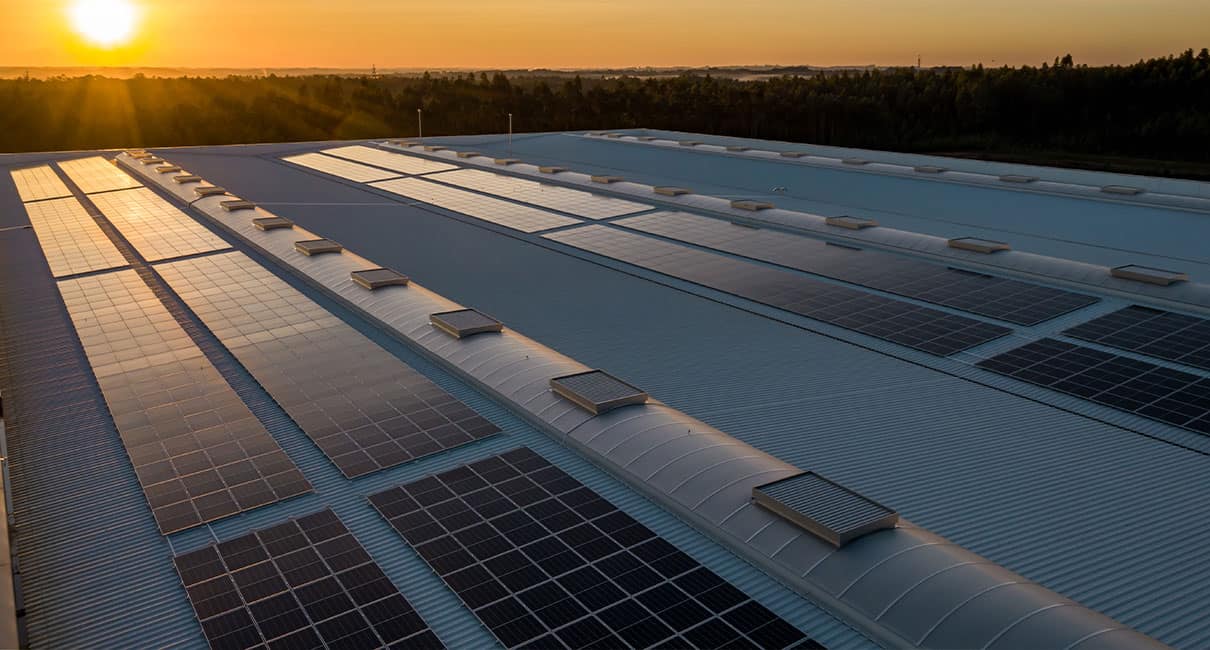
x: 554, y: 197
x: 387, y: 160
x: 96, y: 174
x: 70, y: 238
x: 1153, y: 332
x: 340, y: 168
x: 504, y: 213
x: 39, y: 183
x: 156, y: 229
x: 545, y: 562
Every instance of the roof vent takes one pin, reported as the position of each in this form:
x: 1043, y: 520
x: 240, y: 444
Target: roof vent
x: 793, y: 154
x: 852, y: 223
x: 168, y: 169
x: 646, y: 138
x: 186, y: 179
x: 462, y: 323
x: 979, y: 245
x: 152, y: 160
x: 552, y: 169
x: 854, y: 161
x: 209, y: 190
x: 613, y: 135
x: 1125, y: 190
x: 377, y: 278
x: 597, y: 391
x: 433, y: 147
x: 736, y: 147
x: 606, y: 180
x: 596, y: 133
x: 1017, y: 178
x: 1148, y: 275
x: 689, y: 143
x: 272, y: 223
x: 311, y: 247
x: 671, y: 191
x: 826, y: 509
x: 751, y: 206
x: 929, y: 169
x: 506, y: 161
x: 468, y: 154
x: 237, y: 205
x: 139, y: 154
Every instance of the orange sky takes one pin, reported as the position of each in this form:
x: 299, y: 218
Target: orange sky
x: 600, y: 33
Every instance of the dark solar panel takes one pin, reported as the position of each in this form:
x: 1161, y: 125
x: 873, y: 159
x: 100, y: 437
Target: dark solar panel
x: 545, y: 562
x: 914, y: 326
x: 597, y: 391
x: 1009, y: 300
x: 306, y: 583
x: 361, y: 405
x: 1153, y: 332
x: 1178, y: 398
x: 199, y: 453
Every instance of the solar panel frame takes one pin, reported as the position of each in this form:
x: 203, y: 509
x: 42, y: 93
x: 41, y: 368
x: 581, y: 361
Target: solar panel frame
x: 921, y: 328
x: 156, y: 229
x: 306, y: 582
x: 544, y: 561
x: 38, y: 184
x: 1172, y: 336
x: 340, y: 167
x: 402, y: 163
x: 1005, y: 299
x: 552, y: 197
x: 70, y: 238
x: 498, y: 211
x: 362, y: 406
x: 96, y: 174
x: 198, y: 451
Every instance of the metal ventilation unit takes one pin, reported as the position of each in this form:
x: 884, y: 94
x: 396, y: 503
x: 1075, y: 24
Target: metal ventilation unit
x: 169, y: 169
x: 597, y: 391
x: 737, y: 147
x: 209, y: 190
x: 237, y: 205
x: 751, y: 206
x: 311, y: 247
x: 272, y: 223
x: 606, y: 180
x: 824, y: 508
x: 689, y: 143
x: 1017, y: 178
x: 506, y: 161
x: 671, y: 191
x: 377, y: 278
x: 929, y: 169
x: 613, y: 135
x: 793, y: 154
x: 978, y: 245
x: 151, y: 160
x: 468, y: 154
x: 462, y: 323
x: 1148, y: 275
x: 433, y: 147
x: 1124, y: 190
x: 186, y: 179
x: 852, y: 223
x: 855, y: 161
x: 646, y: 138
x: 139, y: 154
x: 552, y: 169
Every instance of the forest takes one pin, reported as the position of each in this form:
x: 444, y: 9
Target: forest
x: 1151, y: 117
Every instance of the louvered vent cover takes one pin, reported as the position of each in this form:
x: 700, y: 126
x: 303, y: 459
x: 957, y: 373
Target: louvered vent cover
x: 1148, y: 275
x: 979, y: 245
x: 317, y: 247
x: 852, y: 223
x: 377, y: 278
x: 824, y: 508
x: 462, y: 323
x: 272, y: 223
x: 597, y: 391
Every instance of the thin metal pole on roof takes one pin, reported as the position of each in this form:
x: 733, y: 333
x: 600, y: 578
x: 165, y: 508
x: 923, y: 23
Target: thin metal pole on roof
x: 419, y: 126
x: 510, y: 133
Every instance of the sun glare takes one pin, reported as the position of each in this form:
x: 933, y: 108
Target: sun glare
x: 104, y: 23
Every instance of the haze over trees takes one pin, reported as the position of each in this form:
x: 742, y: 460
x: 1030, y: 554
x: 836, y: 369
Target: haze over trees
x: 1157, y: 109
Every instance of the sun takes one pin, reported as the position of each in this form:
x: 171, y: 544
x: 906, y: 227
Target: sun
x: 104, y: 23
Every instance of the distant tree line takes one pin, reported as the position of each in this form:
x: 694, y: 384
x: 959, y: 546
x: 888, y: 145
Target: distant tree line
x: 1157, y: 109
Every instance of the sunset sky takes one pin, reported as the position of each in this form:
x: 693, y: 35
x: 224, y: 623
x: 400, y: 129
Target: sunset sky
x: 600, y: 33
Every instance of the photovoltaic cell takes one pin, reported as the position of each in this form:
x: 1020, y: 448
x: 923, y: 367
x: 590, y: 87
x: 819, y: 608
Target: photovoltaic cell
x: 545, y: 562
x: 38, y: 183
x: 198, y: 452
x: 70, y: 239
x: 339, y: 167
x: 922, y: 328
x: 305, y: 583
x: 554, y: 197
x: 1010, y: 300
x: 1177, y: 398
x: 156, y: 229
x: 497, y: 211
x: 387, y: 160
x: 362, y: 406
x: 1153, y: 332
x: 97, y: 175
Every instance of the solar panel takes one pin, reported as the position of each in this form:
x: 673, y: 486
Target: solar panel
x: 545, y: 562
x: 825, y: 508
x: 1153, y: 332
x: 305, y: 583
x: 921, y: 328
x: 363, y: 407
x: 339, y: 167
x: 462, y: 323
x: 387, y: 160
x: 96, y: 174
x: 1010, y: 300
x: 198, y: 452
x: 1171, y: 396
x: 70, y: 238
x: 38, y: 183
x: 156, y: 229
x: 597, y: 391
x: 554, y: 197
x: 497, y: 211
x: 377, y: 278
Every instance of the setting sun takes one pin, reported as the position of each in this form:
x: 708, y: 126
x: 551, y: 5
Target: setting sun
x: 104, y: 23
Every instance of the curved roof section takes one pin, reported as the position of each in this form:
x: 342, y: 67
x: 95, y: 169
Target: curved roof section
x: 905, y: 587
